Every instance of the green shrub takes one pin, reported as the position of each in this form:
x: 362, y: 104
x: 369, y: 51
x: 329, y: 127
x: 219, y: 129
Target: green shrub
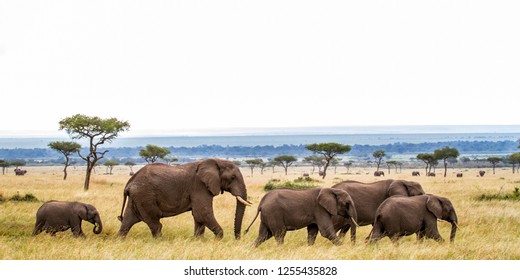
x: 515, y: 195
x: 304, y: 180
x: 296, y: 184
x: 28, y: 197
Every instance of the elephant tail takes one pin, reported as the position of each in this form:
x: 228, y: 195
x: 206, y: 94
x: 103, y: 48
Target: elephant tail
x: 125, y: 195
x: 257, y: 212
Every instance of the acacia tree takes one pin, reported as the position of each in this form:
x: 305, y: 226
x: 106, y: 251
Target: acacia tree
x: 389, y: 164
x: 329, y: 151
x: 429, y: 159
x: 152, y: 153
x: 444, y: 154
x: 97, y: 131
x: 170, y: 160
x: 17, y: 163
x: 130, y: 164
x: 110, y: 165
x: 262, y: 166
x: 254, y: 163
x: 271, y: 163
x: 285, y: 161
x: 4, y: 164
x: 494, y: 161
x: 400, y: 164
x: 379, y: 155
x: 334, y: 162
x: 318, y: 161
x: 514, y: 159
x: 348, y: 164
x: 67, y: 148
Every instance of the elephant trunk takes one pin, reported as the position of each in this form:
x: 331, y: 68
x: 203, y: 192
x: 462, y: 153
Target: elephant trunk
x: 239, y: 216
x: 454, y: 226
x: 353, y: 217
x: 240, y: 210
x: 98, y: 226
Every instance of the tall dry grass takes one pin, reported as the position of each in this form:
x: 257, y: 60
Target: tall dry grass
x: 489, y: 229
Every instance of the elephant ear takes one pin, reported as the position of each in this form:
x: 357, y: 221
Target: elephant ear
x: 208, y: 172
x: 434, y: 205
x: 397, y: 187
x: 413, y: 188
x: 81, y: 210
x: 327, y: 200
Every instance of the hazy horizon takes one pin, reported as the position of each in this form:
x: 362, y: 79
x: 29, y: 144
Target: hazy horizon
x: 267, y: 131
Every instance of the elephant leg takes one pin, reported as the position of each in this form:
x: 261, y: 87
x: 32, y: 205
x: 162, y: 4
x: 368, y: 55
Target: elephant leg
x: 38, y: 228
x: 151, y: 215
x: 343, y: 231
x: 377, y: 232
x: 75, y: 227
x: 420, y: 235
x: 129, y: 219
x: 199, y: 229
x: 395, y: 239
x: 208, y: 220
x: 432, y: 232
x: 77, y: 232
x: 155, y: 227
x: 280, y: 235
x: 263, y: 234
x: 312, y: 232
x: 327, y: 231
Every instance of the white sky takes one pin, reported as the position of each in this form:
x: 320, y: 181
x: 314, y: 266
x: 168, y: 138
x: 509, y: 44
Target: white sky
x: 189, y: 65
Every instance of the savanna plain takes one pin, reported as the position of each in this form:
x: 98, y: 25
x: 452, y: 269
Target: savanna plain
x: 489, y: 230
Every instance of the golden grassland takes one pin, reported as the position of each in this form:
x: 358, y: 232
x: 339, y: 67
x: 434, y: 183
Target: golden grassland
x: 490, y: 230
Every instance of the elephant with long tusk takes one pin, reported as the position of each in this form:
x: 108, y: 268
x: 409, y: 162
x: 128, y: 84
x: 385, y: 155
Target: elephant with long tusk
x: 158, y: 190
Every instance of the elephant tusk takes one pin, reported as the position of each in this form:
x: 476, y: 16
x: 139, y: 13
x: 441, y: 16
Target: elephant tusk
x: 354, y: 221
x: 245, y: 202
x: 456, y: 225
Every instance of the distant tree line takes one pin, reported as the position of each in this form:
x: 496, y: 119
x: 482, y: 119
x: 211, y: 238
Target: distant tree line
x: 268, y: 151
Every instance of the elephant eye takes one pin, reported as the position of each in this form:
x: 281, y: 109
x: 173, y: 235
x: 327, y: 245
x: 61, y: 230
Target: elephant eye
x: 233, y: 177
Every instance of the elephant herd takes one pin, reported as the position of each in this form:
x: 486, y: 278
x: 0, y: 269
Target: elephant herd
x: 395, y: 208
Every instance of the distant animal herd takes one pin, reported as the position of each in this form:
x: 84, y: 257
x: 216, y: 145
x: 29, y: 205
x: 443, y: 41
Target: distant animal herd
x: 394, y: 208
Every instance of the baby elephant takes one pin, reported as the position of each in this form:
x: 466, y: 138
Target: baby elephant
x: 54, y: 216
x: 288, y: 209
x: 400, y: 216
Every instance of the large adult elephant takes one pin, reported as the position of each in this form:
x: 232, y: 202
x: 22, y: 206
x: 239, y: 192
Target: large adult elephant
x: 368, y: 196
x: 160, y: 190
x: 285, y: 210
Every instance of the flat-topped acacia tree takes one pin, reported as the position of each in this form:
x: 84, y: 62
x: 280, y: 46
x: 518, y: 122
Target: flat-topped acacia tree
x: 254, y: 163
x: 430, y: 161
x: 67, y: 148
x: 285, y: 161
x: 494, y: 161
x: 97, y: 131
x: 329, y: 151
x: 152, y: 153
x: 444, y: 154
